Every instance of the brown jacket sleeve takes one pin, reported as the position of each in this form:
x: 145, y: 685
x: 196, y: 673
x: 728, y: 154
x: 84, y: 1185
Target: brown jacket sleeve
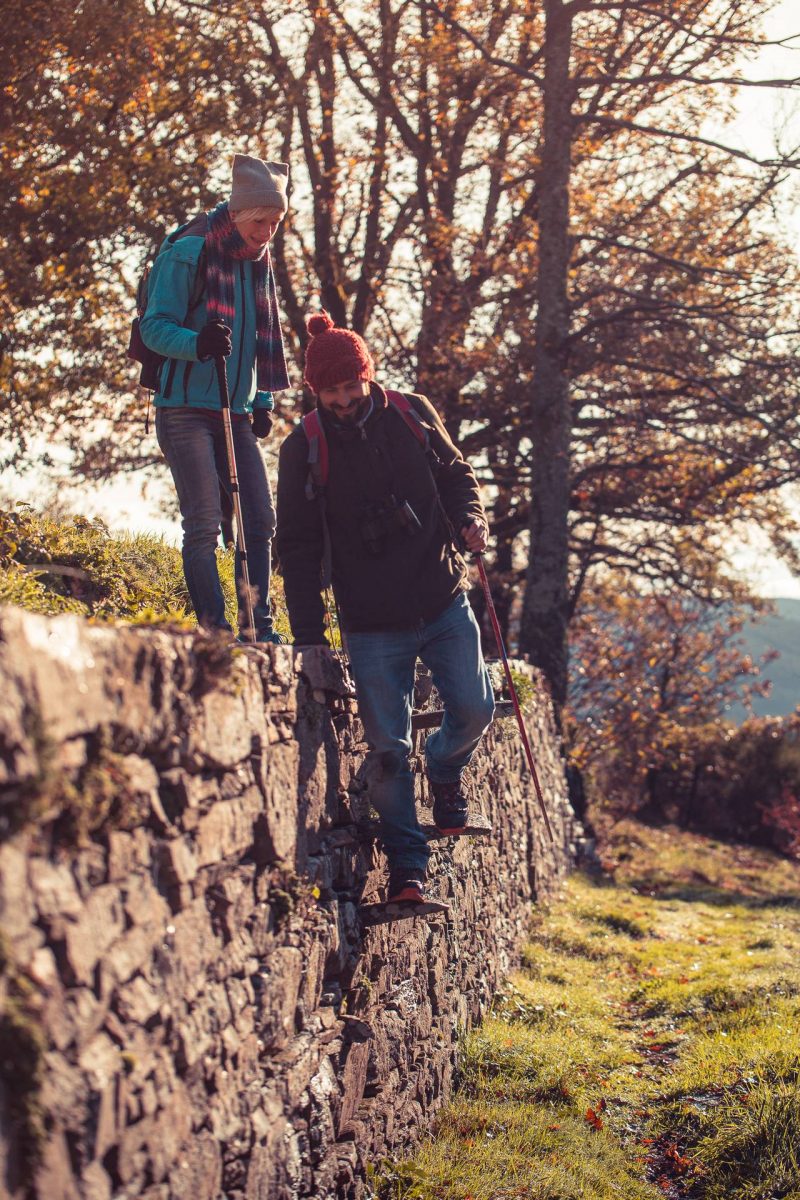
x: 455, y: 479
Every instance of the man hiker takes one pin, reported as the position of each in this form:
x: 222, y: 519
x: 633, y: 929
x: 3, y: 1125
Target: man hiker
x: 235, y: 316
x: 371, y: 486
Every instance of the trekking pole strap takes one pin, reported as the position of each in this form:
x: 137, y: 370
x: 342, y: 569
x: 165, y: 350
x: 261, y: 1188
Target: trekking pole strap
x: 513, y: 692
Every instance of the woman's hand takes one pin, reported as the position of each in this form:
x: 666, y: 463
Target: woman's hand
x: 262, y: 422
x: 214, y: 341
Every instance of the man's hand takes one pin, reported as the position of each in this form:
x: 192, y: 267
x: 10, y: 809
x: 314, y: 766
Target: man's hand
x: 475, y: 537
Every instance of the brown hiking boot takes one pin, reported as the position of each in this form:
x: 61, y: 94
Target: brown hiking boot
x: 450, y: 807
x: 406, y: 883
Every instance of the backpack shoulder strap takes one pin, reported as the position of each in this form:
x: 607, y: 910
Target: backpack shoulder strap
x: 178, y: 233
x: 197, y: 227
x: 317, y: 454
x: 405, y: 406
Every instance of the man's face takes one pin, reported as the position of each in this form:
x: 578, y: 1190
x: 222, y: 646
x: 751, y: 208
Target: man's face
x: 344, y: 401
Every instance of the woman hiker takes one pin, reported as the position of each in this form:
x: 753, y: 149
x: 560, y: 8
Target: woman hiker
x: 235, y: 316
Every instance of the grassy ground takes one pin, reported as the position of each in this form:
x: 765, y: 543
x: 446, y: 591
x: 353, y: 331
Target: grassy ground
x: 650, y: 1047
x: 71, y: 564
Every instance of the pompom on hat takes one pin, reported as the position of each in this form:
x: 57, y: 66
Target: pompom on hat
x: 334, y: 356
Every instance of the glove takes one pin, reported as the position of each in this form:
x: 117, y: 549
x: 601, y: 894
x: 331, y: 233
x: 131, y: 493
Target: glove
x: 262, y: 422
x: 214, y: 341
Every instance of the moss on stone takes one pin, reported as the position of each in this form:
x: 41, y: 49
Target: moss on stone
x: 26, y: 802
x: 22, y: 1048
x: 289, y: 894
x: 100, y: 798
x: 96, y: 798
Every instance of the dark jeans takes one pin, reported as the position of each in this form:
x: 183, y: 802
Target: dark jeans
x: 193, y: 443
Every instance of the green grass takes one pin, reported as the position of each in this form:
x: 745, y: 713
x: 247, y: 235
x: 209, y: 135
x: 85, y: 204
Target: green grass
x: 71, y: 564
x: 650, y: 1046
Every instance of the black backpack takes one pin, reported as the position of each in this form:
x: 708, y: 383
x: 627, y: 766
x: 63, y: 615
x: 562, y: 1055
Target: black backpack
x: 151, y: 363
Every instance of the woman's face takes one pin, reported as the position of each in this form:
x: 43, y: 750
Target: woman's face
x: 258, y: 231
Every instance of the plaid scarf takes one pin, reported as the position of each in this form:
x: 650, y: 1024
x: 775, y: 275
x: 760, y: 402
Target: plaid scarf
x: 224, y: 247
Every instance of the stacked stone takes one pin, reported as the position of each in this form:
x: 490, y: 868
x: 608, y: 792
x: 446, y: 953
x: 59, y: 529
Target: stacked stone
x: 190, y: 1006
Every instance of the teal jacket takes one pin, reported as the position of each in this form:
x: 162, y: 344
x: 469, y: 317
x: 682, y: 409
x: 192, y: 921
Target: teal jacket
x: 170, y: 329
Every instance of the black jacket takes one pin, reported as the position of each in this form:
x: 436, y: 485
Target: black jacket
x: 405, y: 577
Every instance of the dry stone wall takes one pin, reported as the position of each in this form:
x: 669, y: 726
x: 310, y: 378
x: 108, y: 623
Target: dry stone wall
x: 190, y: 1005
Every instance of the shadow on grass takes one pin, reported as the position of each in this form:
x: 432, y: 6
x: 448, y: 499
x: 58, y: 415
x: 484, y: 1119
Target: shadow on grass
x: 667, y: 863
x: 707, y: 893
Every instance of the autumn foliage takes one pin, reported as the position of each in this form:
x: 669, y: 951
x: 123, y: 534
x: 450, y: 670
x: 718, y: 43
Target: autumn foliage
x: 653, y: 678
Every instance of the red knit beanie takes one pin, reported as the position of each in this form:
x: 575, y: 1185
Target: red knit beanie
x: 334, y: 356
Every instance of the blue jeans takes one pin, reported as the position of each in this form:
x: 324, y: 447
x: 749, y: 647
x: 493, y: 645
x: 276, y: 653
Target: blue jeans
x: 383, y: 668
x: 193, y: 443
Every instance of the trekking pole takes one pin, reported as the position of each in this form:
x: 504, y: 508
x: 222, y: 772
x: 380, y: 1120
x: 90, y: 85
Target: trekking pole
x: 225, y: 404
x: 523, y: 732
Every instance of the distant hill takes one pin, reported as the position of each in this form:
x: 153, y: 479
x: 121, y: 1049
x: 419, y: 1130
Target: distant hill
x: 780, y: 632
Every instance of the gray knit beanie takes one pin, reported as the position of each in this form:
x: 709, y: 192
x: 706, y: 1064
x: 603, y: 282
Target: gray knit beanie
x: 258, y: 184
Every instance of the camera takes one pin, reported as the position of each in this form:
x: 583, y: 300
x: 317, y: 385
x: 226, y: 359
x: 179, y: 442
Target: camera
x: 380, y: 519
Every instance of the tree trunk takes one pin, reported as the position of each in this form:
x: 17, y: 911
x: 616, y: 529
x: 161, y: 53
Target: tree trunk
x: 543, y: 634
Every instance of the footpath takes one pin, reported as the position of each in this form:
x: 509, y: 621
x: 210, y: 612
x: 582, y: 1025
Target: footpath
x: 649, y: 1048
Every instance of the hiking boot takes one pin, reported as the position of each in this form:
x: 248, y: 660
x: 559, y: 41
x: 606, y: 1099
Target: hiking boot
x: 274, y: 638
x: 406, y: 883
x: 450, y: 808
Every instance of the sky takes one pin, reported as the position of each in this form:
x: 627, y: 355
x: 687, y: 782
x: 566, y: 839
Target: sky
x: 764, y: 115
x: 129, y: 504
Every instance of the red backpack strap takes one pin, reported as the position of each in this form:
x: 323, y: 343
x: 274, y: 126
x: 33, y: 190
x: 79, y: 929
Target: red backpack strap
x: 407, y: 410
x: 317, y: 454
